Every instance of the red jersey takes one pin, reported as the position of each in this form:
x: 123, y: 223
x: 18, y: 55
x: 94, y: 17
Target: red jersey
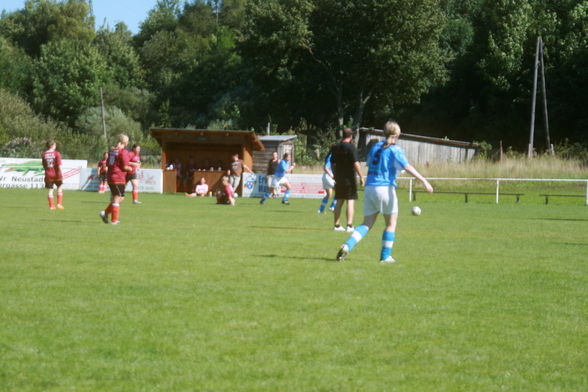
x: 52, y: 165
x: 117, y: 160
x: 102, y: 165
x: 229, y: 191
x: 136, y: 158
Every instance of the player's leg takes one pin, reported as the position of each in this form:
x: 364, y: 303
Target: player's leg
x: 350, y: 210
x: 337, y: 215
x: 49, y: 186
x: 135, y: 184
x: 287, y: 193
x: 334, y: 202
x: 389, y: 234
x: 60, y: 195
x: 324, y: 202
x: 357, y: 235
x: 116, y: 200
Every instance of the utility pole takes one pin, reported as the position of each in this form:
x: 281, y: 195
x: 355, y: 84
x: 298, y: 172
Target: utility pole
x: 539, y: 63
x: 103, y: 118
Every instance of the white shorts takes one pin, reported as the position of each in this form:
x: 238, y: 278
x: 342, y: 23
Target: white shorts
x: 328, y: 181
x: 277, y: 181
x: 380, y: 199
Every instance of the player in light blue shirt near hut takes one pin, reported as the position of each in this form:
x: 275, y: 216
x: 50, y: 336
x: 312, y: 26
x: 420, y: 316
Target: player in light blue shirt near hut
x: 328, y: 180
x: 280, y: 179
x: 384, y: 161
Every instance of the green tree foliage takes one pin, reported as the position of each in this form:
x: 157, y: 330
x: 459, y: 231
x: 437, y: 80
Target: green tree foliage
x: 121, y: 58
x: 16, y: 68
x: 90, y: 123
x: 354, y: 50
x: 24, y: 133
x: 44, y: 20
x: 68, y: 77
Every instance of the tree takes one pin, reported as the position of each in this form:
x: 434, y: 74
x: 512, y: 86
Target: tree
x: 355, y: 50
x: 16, y: 69
x: 44, y: 20
x: 121, y: 58
x: 68, y: 77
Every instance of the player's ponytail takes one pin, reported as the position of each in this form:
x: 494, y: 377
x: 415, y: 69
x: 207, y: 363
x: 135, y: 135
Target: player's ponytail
x: 391, y: 132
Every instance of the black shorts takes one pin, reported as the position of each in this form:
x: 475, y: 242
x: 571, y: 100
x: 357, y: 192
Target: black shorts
x: 103, y: 177
x: 346, y: 191
x: 131, y: 176
x: 117, y: 189
x: 49, y: 183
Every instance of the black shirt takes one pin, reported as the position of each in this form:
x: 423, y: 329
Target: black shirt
x: 271, y: 167
x: 343, y: 158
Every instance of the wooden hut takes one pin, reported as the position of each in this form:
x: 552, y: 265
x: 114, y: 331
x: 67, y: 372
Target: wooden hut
x: 421, y: 150
x: 190, y: 154
x: 278, y: 143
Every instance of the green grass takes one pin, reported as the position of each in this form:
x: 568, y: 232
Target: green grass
x: 196, y: 296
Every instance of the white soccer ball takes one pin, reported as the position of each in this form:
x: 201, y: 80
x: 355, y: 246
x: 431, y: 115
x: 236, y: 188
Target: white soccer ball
x: 416, y: 210
x: 236, y: 195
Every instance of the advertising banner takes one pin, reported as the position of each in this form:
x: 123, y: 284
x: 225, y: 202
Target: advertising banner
x: 29, y: 173
x: 150, y: 180
x: 308, y: 186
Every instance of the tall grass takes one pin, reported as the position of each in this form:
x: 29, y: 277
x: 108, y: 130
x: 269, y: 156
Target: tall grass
x: 512, y: 167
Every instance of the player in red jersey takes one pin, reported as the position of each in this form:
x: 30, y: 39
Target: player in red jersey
x: 118, y: 167
x: 53, y: 177
x: 226, y: 194
x: 102, y: 170
x: 135, y: 163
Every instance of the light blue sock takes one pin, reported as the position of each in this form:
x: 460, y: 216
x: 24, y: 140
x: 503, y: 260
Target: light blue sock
x: 323, y: 204
x: 333, y: 204
x: 357, y: 235
x: 388, y: 238
x: 286, y: 195
x: 265, y: 196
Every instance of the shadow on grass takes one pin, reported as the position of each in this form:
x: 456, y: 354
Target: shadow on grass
x: 275, y: 256
x: 287, y: 228
x: 564, y: 219
x: 62, y: 220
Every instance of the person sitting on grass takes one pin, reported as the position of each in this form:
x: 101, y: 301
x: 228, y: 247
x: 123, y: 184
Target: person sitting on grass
x: 226, y: 194
x: 201, y: 189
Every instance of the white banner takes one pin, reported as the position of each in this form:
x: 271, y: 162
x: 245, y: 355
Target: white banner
x: 309, y: 186
x: 150, y: 180
x: 29, y: 173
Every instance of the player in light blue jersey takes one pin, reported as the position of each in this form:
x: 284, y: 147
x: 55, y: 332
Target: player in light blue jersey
x: 280, y: 179
x: 384, y: 161
x: 328, y: 185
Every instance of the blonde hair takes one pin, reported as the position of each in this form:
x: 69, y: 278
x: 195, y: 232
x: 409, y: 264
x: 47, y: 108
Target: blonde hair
x: 391, y: 129
x: 122, y: 138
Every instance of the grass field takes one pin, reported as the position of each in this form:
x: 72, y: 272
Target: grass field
x: 188, y: 296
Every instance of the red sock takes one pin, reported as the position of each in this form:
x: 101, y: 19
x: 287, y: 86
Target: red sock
x: 115, y: 209
x: 59, y: 198
x: 101, y: 188
x: 135, y: 195
x: 50, y: 198
x: 108, y: 209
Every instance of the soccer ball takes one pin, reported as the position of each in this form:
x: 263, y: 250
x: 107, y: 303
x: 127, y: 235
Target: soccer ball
x: 236, y: 195
x: 416, y: 211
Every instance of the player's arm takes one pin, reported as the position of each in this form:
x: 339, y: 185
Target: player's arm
x: 357, y: 168
x: 419, y: 177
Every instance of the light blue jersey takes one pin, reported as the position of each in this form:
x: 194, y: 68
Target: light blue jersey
x: 327, y: 164
x: 282, y: 168
x: 384, y: 163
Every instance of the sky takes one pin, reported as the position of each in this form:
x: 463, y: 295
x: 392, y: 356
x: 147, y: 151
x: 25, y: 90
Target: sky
x: 131, y: 12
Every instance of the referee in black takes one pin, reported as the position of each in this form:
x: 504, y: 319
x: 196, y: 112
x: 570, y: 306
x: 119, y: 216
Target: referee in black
x: 345, y: 163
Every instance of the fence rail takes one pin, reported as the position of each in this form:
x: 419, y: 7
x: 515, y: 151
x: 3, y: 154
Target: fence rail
x: 497, y: 180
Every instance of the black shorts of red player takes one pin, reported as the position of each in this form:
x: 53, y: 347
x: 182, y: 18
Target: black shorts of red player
x: 103, y: 177
x: 131, y: 176
x: 221, y: 198
x: 117, y: 189
x: 49, y: 183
